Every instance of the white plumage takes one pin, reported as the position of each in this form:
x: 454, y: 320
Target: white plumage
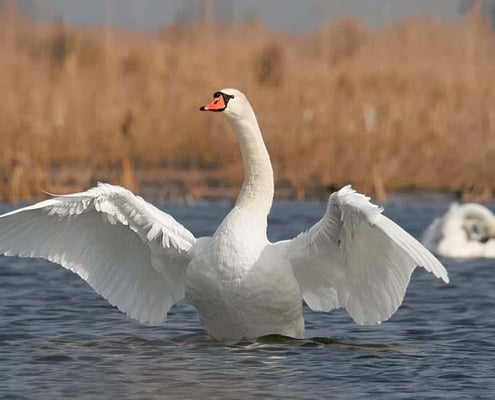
x: 362, y: 255
x: 464, y: 231
x: 143, y: 261
x: 130, y: 252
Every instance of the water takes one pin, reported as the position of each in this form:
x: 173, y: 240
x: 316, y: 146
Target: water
x: 58, y: 339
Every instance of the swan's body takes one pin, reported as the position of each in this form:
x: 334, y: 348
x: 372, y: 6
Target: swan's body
x: 464, y: 231
x: 143, y: 261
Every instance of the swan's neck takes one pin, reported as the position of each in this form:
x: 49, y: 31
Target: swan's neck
x: 257, y: 188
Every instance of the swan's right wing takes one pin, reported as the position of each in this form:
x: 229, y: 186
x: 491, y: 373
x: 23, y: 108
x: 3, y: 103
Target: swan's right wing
x: 129, y: 251
x: 356, y: 258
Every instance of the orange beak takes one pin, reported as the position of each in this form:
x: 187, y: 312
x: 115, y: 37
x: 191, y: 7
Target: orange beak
x: 217, y: 104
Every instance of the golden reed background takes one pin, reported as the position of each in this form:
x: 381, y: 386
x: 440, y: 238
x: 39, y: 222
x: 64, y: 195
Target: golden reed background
x: 407, y: 106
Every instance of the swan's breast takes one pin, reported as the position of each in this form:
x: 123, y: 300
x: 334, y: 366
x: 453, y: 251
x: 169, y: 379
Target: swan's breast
x: 237, y: 298
x: 224, y: 260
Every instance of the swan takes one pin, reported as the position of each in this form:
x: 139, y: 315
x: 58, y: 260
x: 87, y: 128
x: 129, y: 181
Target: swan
x: 243, y: 286
x: 464, y: 231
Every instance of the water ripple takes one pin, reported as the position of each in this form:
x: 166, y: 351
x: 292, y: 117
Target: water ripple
x: 60, y: 340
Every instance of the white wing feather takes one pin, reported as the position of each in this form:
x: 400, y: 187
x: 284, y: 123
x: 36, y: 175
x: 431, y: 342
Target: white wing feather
x: 129, y: 251
x: 357, y: 258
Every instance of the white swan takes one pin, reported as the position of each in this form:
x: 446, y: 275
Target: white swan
x: 143, y: 261
x: 464, y: 231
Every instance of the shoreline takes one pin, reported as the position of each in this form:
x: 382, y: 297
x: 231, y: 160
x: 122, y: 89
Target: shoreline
x: 165, y: 184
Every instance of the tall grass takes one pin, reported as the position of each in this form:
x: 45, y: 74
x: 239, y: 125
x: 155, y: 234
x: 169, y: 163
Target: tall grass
x: 409, y: 105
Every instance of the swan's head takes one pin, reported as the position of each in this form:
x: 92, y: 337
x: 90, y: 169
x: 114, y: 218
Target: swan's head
x: 478, y: 223
x: 232, y: 102
x: 477, y: 230
x: 464, y: 231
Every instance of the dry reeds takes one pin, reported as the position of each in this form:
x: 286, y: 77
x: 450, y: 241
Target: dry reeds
x: 410, y: 105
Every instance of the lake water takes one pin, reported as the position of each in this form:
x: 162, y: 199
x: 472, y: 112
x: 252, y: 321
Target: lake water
x: 59, y: 340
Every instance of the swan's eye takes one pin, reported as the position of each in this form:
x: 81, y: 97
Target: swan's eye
x: 217, y: 94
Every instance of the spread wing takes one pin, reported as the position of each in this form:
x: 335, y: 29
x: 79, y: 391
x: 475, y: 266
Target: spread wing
x: 128, y: 251
x: 356, y: 258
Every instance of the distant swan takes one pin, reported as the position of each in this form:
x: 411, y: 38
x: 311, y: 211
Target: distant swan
x: 464, y: 231
x: 143, y: 261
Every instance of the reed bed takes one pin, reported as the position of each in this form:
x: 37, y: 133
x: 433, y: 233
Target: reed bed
x: 407, y: 106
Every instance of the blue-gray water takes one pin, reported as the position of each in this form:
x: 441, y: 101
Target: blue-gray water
x: 60, y: 340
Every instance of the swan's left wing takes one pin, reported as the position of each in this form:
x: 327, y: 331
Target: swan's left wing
x: 356, y: 258
x: 128, y: 251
